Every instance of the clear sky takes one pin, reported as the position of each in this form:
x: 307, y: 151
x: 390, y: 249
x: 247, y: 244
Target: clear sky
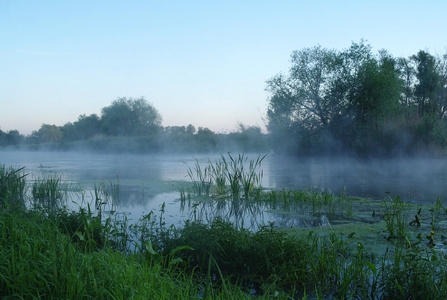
x: 198, y: 62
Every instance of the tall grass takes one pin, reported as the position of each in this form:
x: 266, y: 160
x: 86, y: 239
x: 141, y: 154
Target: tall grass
x: 200, y: 178
x: 236, y: 175
x: 395, y: 214
x: 48, y: 193
x: 12, y: 186
x: 77, y: 254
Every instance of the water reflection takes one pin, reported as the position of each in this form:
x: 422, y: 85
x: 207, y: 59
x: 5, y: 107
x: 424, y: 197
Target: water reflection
x: 244, y: 214
x: 416, y: 179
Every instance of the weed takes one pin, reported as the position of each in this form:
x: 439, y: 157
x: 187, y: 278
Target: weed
x: 395, y: 214
x: 12, y: 187
x: 48, y: 193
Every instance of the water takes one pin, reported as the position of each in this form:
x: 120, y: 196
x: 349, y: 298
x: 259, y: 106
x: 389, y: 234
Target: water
x: 148, y: 181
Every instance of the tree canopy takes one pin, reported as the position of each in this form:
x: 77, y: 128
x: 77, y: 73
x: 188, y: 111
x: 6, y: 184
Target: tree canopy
x: 355, y: 100
x: 128, y: 116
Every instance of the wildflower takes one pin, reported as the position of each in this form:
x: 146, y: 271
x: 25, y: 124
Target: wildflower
x: 431, y: 242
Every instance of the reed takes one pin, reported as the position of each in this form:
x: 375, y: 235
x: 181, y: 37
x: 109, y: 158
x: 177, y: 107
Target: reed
x: 77, y: 254
x: 48, y: 193
x: 435, y: 214
x: 395, y: 214
x: 12, y: 187
x: 201, y: 180
x: 236, y: 175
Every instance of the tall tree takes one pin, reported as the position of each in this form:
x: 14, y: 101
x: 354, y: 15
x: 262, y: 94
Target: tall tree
x: 301, y: 105
x: 333, y: 99
x: 48, y: 134
x: 428, y: 82
x: 128, y: 116
x: 87, y: 126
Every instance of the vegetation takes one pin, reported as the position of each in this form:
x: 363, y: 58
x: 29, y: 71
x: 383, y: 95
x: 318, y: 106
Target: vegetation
x: 357, y: 102
x: 331, y: 101
x: 133, y: 125
x: 56, y: 253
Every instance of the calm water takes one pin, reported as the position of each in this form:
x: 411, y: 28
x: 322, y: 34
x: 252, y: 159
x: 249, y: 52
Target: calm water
x: 420, y: 180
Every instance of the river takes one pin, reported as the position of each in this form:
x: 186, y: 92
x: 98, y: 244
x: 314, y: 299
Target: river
x: 414, y: 179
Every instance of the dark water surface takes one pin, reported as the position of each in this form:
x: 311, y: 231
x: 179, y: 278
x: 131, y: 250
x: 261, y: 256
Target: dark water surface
x: 416, y: 179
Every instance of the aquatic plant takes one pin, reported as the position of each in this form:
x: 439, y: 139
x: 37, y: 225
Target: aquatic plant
x: 12, y: 186
x: 395, y: 214
x: 238, y: 175
x: 435, y: 214
x: 241, y: 179
x: 201, y: 180
x: 48, y: 193
x: 106, y: 195
x: 415, y: 273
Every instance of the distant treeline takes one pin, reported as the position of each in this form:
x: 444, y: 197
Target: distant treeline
x: 331, y: 102
x: 133, y: 125
x: 358, y: 102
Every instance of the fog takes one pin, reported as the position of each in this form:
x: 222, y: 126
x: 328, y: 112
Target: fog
x: 413, y: 179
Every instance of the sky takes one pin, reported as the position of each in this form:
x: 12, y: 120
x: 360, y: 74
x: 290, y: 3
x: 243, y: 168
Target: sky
x: 203, y: 63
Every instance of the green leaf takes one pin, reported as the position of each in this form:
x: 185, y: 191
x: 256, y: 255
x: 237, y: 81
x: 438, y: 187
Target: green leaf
x: 372, y: 267
x: 149, y: 248
x: 173, y: 251
x: 80, y: 235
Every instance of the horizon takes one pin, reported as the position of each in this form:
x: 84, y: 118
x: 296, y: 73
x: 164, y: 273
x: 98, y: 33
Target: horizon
x: 199, y: 63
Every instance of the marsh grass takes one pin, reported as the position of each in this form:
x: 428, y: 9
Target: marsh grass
x: 395, y: 213
x: 74, y: 255
x: 200, y: 177
x: 12, y: 186
x: 436, y: 211
x: 78, y: 254
x: 49, y: 193
x: 234, y: 176
x: 310, y: 202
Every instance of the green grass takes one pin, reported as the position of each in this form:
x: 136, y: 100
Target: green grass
x: 85, y: 254
x: 230, y: 176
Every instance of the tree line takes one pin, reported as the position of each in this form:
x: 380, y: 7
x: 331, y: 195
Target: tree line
x: 359, y: 102
x: 132, y: 124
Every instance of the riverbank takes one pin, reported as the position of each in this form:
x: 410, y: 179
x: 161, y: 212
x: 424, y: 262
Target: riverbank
x: 360, y: 248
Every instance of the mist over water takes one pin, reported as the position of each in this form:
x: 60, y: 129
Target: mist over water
x: 140, y: 177
x: 415, y: 179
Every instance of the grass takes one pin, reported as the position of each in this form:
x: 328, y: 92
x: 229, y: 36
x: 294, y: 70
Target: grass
x: 12, y: 187
x: 229, y: 176
x: 88, y: 254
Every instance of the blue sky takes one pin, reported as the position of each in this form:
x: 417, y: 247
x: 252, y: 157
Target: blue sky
x: 198, y: 62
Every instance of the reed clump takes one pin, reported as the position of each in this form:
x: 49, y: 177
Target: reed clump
x: 76, y: 255
x: 85, y: 254
x: 232, y: 176
x: 12, y: 187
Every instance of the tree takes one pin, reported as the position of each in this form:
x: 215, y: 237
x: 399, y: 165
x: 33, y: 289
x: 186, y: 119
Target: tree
x: 299, y: 105
x: 130, y: 117
x: 333, y: 99
x: 190, y: 129
x: 428, y: 82
x: 13, y: 137
x: 87, y: 126
x: 48, y: 134
x: 306, y: 106
x: 2, y: 138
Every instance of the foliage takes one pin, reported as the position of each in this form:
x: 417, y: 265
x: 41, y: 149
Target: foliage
x: 48, y: 134
x: 355, y: 101
x: 47, y: 194
x: 12, y: 187
x: 236, y: 175
x: 128, y: 116
x: 78, y: 254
